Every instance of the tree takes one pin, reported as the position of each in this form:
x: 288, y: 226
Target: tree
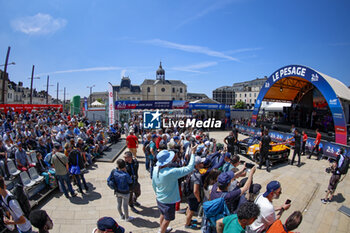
x: 240, y: 105
x: 100, y: 100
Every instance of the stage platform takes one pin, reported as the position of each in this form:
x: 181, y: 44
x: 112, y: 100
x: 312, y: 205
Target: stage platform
x: 112, y: 152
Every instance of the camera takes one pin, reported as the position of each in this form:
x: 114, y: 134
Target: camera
x: 328, y: 170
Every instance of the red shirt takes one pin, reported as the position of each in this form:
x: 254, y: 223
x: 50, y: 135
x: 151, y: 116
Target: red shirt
x: 318, y: 139
x: 158, y: 141
x: 131, y: 141
x: 304, y: 137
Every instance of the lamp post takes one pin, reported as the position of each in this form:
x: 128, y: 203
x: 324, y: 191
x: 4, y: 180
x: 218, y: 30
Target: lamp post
x: 4, y: 74
x: 90, y: 92
x: 31, y: 85
x: 47, y: 89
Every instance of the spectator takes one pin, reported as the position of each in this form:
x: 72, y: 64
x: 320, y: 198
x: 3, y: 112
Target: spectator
x: 60, y: 162
x: 147, y: 151
x: 237, y: 223
x: 76, y: 159
x: 210, y: 179
x: 335, y: 178
x: 108, y: 224
x: 132, y: 167
x: 231, y: 197
x: 267, y: 211
x: 14, y: 213
x: 132, y: 143
x: 230, y: 141
x: 41, y: 220
x: 292, y: 223
x: 165, y: 184
x: 122, y: 181
x: 264, y: 150
x: 3, y: 160
x: 195, y: 198
x: 317, y: 145
x: 22, y: 158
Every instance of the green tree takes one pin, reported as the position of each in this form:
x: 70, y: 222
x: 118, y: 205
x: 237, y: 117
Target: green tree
x: 240, y: 105
x: 100, y: 100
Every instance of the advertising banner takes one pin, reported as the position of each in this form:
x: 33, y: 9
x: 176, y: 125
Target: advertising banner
x: 160, y: 104
x: 320, y: 83
x: 110, y: 105
x: 29, y: 107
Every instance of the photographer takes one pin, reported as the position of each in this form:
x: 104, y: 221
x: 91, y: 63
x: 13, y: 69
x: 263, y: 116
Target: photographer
x: 132, y: 168
x: 335, y: 178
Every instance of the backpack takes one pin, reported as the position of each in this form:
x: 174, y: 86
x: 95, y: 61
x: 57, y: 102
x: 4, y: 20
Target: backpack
x: 345, y: 165
x: 148, y: 148
x: 187, y: 187
x: 215, y: 209
x: 22, y: 199
x: 111, y: 182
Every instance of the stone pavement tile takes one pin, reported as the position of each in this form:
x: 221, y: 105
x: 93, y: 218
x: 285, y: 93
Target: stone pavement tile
x: 74, y: 228
x: 343, y: 223
x: 323, y: 228
x: 62, y: 214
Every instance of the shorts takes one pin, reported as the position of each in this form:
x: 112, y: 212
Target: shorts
x: 333, y: 182
x: 193, y: 204
x: 133, y: 151
x: 167, y: 210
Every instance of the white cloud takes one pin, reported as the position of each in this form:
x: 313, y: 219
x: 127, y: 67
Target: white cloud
x: 39, y: 24
x: 194, y: 68
x: 243, y: 50
x: 106, y: 68
x: 217, y: 5
x: 190, y: 48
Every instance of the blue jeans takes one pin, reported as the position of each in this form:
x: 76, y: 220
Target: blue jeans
x: 78, y: 177
x: 65, y: 179
x: 29, y: 231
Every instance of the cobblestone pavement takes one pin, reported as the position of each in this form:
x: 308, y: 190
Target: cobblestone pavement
x: 305, y: 186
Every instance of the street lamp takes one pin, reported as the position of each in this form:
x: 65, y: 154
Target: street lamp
x: 12, y: 63
x: 4, y: 74
x: 90, y: 92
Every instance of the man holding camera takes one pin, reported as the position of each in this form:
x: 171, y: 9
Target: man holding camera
x: 132, y: 167
x: 336, y: 169
x: 267, y: 211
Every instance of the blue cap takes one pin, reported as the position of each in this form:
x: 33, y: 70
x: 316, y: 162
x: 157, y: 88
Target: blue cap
x: 154, y: 136
x: 199, y: 148
x: 110, y: 225
x: 226, y: 177
x: 272, y: 186
x: 227, y: 155
x: 176, y: 138
x: 19, y: 143
x: 164, y: 157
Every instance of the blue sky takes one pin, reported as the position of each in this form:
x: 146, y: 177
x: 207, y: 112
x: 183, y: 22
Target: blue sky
x: 206, y: 43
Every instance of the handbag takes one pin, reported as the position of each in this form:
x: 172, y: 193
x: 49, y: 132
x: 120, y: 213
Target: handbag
x: 75, y: 170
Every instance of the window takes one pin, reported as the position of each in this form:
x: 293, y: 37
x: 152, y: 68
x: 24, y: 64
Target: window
x: 173, y: 90
x: 148, y: 89
x: 180, y: 98
x: 173, y: 98
x: 180, y: 90
x: 250, y: 94
x: 163, y: 89
x: 240, y: 95
x: 245, y: 95
x: 254, y: 94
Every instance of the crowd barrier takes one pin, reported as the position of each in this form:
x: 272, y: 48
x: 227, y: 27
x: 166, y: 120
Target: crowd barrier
x: 328, y: 149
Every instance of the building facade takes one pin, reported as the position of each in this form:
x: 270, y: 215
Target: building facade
x: 17, y: 94
x: 99, y: 96
x: 224, y: 95
x: 246, y: 92
x: 126, y: 91
x: 162, y: 89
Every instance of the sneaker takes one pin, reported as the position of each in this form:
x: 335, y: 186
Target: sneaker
x: 168, y: 229
x: 192, y: 226
x: 129, y: 219
x: 137, y: 204
x: 324, y: 201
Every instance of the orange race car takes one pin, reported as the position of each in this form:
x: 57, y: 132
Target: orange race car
x: 277, y: 153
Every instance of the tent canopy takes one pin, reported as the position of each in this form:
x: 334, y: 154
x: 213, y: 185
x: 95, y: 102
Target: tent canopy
x: 96, y: 103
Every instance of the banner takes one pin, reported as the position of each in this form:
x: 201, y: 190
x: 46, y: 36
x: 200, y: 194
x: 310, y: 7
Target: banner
x: 29, y: 107
x: 110, y: 105
x: 160, y: 104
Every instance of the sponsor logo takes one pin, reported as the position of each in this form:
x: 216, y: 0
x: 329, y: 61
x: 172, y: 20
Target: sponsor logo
x: 333, y: 101
x: 151, y: 120
x: 314, y: 78
x: 267, y: 85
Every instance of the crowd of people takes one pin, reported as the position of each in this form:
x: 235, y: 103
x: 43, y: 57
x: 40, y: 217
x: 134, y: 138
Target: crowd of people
x: 184, y: 164
x: 58, y: 146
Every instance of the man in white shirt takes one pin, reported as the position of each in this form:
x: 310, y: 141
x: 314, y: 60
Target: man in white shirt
x: 267, y: 211
x: 13, y: 209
